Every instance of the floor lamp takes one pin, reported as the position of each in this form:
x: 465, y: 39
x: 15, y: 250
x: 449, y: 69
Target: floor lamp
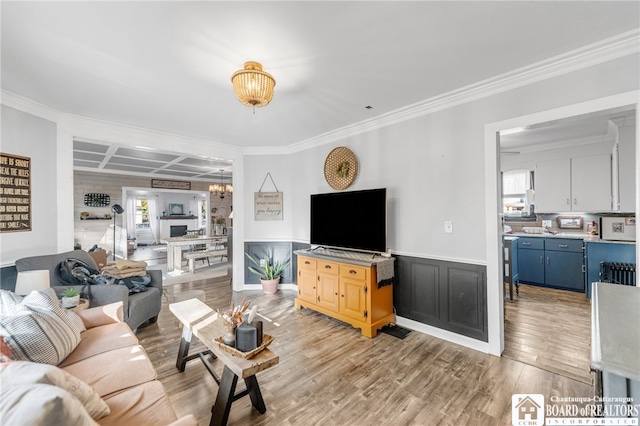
x: 116, y: 209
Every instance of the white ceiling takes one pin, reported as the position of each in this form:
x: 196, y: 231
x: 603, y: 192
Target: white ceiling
x: 574, y: 131
x: 166, y: 66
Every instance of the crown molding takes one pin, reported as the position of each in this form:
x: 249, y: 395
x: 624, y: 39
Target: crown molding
x: 606, y: 50
x: 29, y: 106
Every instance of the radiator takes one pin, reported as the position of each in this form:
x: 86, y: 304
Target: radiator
x: 618, y: 273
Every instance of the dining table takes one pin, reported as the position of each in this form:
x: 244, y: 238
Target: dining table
x: 175, y: 246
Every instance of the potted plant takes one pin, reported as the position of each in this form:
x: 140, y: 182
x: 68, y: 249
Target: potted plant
x: 219, y: 222
x: 70, y: 297
x: 268, y: 271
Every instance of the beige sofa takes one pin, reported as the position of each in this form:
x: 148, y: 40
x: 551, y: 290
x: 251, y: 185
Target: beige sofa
x: 112, y: 362
x: 106, y: 376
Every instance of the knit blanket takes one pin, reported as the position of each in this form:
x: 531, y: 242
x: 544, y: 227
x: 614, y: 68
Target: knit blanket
x: 385, y: 271
x: 125, y: 269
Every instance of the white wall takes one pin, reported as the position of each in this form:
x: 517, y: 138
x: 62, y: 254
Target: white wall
x: 33, y: 137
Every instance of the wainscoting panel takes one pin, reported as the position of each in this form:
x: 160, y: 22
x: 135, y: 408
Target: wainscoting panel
x: 279, y: 251
x: 425, y: 294
x: 465, y: 299
x: 8, y: 276
x: 447, y: 295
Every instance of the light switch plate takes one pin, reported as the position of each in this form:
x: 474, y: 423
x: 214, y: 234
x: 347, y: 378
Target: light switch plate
x: 448, y: 227
x: 546, y: 224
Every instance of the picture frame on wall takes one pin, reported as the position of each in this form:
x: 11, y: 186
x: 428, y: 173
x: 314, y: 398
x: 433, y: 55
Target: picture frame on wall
x: 570, y: 222
x: 176, y: 209
x: 170, y: 184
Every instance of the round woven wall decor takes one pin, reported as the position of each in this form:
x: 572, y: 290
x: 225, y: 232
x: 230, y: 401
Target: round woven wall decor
x: 340, y: 168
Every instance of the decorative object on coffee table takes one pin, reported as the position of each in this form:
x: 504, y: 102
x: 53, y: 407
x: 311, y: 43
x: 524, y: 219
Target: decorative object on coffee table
x: 232, y: 318
x: 340, y: 168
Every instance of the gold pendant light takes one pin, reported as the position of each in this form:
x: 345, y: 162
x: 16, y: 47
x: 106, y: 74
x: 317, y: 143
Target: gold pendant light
x: 252, y: 86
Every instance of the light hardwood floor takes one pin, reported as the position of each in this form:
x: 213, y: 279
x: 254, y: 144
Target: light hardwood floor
x: 550, y: 329
x: 329, y: 374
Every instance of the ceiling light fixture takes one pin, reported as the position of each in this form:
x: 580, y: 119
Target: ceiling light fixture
x: 220, y: 189
x: 252, y: 86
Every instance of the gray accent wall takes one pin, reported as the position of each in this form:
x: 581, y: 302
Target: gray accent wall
x: 278, y: 251
x: 446, y: 295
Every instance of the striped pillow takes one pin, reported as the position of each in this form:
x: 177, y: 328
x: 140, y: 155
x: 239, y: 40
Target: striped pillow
x: 41, y: 330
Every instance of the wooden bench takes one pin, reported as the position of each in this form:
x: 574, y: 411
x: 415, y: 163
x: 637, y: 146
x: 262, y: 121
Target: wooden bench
x: 192, y: 256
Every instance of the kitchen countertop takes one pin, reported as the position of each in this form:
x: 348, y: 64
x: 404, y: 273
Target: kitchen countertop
x: 573, y: 235
x: 615, y: 338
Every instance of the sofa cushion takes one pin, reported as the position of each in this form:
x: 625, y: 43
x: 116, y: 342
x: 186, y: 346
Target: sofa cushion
x: 115, y: 370
x: 41, y: 404
x: 101, y: 339
x: 145, y: 404
x: 19, y: 373
x: 41, y: 330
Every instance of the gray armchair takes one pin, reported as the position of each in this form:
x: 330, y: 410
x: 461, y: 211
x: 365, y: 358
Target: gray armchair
x: 138, y: 307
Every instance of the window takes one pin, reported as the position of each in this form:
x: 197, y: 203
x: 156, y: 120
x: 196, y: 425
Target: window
x: 517, y: 193
x: 142, y: 214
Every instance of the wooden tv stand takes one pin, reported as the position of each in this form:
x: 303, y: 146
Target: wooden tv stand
x: 345, y: 290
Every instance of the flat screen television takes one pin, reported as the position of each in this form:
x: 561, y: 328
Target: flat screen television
x: 355, y: 220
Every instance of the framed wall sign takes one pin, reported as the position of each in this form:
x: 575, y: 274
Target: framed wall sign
x: 268, y: 206
x: 15, y: 193
x: 570, y: 222
x: 170, y: 184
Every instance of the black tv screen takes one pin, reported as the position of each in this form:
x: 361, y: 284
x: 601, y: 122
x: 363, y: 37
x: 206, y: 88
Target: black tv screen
x: 352, y: 220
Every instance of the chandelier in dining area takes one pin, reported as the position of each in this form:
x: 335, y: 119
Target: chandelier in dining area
x: 221, y: 189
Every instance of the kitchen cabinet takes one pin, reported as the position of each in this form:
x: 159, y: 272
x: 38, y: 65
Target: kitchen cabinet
x: 596, y: 252
x: 551, y: 262
x: 574, y: 184
x: 531, y: 260
x: 563, y: 263
x: 345, y: 291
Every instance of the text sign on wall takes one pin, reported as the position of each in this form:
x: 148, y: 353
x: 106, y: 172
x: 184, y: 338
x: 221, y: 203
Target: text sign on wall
x: 268, y: 206
x: 15, y: 193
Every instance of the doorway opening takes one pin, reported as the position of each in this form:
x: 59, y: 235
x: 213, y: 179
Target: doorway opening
x: 495, y: 219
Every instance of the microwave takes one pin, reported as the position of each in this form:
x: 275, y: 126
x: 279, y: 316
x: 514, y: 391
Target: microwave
x: 618, y: 228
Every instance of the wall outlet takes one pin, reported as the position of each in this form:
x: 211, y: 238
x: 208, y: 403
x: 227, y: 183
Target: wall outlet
x: 263, y: 262
x: 546, y: 224
x: 448, y: 227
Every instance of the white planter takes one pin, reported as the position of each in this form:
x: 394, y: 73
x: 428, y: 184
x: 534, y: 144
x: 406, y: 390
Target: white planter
x: 270, y: 286
x: 70, y: 302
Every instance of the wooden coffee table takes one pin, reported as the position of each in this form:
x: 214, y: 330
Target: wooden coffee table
x: 200, y: 320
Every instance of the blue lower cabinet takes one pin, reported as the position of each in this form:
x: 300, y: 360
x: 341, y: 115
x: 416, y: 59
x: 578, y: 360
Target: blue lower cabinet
x: 531, y: 266
x: 564, y: 270
x: 551, y: 262
x: 596, y: 252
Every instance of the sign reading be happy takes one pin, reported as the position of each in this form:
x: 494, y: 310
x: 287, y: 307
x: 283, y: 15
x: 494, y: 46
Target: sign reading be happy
x: 268, y: 206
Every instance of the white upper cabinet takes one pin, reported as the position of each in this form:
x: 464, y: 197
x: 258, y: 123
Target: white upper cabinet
x: 553, y: 185
x: 580, y: 184
x: 591, y: 183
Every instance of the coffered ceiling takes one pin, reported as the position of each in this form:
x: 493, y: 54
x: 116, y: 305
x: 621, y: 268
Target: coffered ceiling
x: 104, y: 157
x: 166, y: 65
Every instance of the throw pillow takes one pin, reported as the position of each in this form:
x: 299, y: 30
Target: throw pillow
x: 41, y: 330
x: 5, y: 351
x: 20, y: 373
x: 41, y: 405
x: 9, y: 302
